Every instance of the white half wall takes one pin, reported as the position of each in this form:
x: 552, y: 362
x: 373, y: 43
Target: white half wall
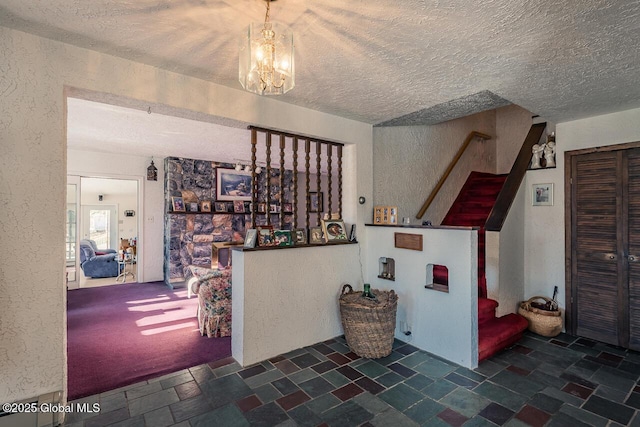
x: 284, y: 299
x: 445, y: 324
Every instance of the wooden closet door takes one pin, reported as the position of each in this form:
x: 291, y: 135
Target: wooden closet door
x: 597, y: 206
x: 633, y: 251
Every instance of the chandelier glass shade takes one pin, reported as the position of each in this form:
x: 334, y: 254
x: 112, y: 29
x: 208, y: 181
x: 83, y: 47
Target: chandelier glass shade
x: 266, y: 64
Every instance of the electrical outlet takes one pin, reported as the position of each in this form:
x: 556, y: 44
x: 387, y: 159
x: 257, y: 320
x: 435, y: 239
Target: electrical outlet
x: 150, y: 218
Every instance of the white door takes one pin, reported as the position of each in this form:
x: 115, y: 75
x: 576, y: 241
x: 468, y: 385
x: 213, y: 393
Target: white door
x: 100, y: 223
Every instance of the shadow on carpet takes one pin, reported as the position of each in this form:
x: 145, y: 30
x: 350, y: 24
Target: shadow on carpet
x: 122, y: 334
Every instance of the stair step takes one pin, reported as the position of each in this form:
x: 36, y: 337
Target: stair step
x: 497, y: 334
x: 486, y: 309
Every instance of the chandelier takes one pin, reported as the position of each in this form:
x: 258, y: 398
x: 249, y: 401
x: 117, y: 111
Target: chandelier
x: 266, y: 65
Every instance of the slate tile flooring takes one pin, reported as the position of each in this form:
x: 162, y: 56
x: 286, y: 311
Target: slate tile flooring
x: 563, y: 381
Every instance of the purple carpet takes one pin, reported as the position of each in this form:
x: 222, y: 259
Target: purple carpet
x: 122, y: 334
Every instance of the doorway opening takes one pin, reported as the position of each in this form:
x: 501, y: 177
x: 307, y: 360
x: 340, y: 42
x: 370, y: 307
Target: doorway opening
x: 101, y: 211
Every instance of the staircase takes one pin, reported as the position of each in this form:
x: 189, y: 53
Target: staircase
x: 472, y: 208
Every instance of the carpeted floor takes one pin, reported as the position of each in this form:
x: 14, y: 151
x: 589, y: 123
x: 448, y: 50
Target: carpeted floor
x: 120, y: 335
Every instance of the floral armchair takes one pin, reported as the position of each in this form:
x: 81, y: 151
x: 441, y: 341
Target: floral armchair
x: 213, y: 288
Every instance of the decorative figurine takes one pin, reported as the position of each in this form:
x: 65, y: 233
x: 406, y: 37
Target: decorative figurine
x: 550, y: 154
x: 537, y: 153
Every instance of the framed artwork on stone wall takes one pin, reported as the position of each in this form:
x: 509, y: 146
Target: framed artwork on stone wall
x: 233, y: 185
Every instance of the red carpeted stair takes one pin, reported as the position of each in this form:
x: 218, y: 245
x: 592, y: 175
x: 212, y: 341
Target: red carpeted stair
x: 472, y: 208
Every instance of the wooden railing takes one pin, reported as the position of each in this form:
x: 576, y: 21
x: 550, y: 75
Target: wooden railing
x: 447, y: 172
x: 512, y: 184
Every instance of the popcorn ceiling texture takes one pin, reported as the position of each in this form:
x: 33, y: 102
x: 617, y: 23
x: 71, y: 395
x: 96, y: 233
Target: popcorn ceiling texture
x: 377, y: 60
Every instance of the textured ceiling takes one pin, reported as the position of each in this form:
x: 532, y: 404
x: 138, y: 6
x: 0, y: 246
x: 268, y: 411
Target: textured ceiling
x: 377, y: 60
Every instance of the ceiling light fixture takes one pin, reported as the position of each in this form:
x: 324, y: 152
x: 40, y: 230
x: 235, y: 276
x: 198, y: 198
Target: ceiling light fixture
x: 266, y: 64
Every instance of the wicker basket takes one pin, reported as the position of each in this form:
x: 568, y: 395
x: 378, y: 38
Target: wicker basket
x: 368, y: 324
x: 547, y: 323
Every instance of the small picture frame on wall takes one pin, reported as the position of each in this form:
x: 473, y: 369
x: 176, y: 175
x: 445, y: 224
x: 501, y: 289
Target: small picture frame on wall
x: 193, y: 207
x: 542, y: 195
x: 317, y: 201
x: 221, y: 207
x: 238, y: 206
x: 178, y: 204
x: 205, y: 206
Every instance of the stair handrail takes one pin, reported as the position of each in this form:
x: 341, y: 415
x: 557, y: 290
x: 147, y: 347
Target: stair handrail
x: 447, y: 172
x: 510, y: 188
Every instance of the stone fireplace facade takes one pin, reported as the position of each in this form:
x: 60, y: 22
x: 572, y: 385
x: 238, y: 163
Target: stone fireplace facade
x: 188, y: 237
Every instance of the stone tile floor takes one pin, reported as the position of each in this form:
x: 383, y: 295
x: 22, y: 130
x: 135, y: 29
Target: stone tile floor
x: 561, y: 381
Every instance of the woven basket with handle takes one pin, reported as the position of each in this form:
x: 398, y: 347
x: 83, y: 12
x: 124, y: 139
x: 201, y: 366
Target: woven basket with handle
x: 547, y: 323
x: 368, y: 323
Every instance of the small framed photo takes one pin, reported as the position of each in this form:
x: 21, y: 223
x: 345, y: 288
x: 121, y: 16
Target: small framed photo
x: 317, y: 201
x: 250, y: 238
x: 287, y: 207
x: 283, y: 237
x: 273, y: 208
x: 193, y: 207
x: 238, y: 206
x: 178, y: 204
x: 316, y: 235
x: 334, y: 230
x: 262, y: 208
x: 205, y: 206
x: 265, y: 235
x: 221, y: 207
x: 300, y: 236
x: 542, y: 195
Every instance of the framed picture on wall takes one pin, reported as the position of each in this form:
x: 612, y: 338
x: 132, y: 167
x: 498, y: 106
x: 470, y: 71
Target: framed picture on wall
x: 233, y: 185
x: 205, y: 206
x: 542, y: 195
x: 177, y: 204
x: 238, y: 206
x: 317, y: 201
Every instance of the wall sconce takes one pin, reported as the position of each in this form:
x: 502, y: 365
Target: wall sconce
x: 152, y: 172
x: 100, y: 197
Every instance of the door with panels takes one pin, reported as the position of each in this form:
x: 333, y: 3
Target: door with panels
x: 605, y: 246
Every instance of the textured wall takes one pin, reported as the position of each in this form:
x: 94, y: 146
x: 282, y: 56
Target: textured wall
x: 287, y: 299
x: 512, y: 125
x: 35, y: 72
x: 149, y: 215
x: 409, y: 161
x: 445, y: 324
x: 32, y: 189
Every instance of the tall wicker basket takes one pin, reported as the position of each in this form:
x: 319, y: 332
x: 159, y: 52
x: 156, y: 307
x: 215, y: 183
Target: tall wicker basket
x: 368, y: 324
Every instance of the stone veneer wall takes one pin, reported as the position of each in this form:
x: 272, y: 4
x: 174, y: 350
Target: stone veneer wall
x: 188, y: 237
